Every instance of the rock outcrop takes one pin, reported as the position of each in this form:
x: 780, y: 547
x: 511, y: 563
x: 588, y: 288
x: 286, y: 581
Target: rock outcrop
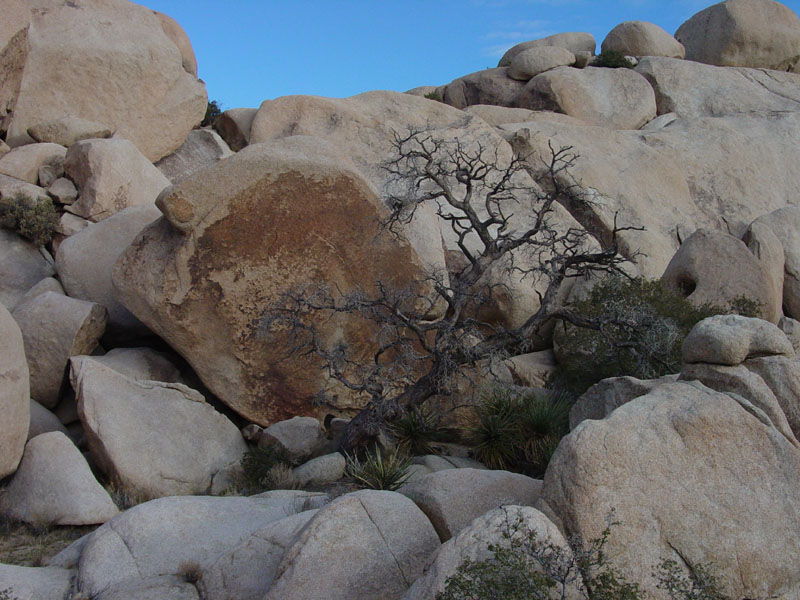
x: 640, y: 38
x: 14, y: 395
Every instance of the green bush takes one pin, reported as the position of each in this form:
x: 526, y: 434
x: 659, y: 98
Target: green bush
x: 378, y: 472
x: 213, y: 110
x: 613, y: 59
x: 646, y: 323
x: 35, y: 220
x: 265, y: 469
x: 519, y: 432
x: 524, y: 568
x: 416, y: 432
x: 434, y: 95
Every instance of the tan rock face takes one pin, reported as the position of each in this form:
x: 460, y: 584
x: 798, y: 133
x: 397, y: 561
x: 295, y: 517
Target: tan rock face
x: 683, y: 468
x: 743, y: 33
x: 531, y: 62
x: 490, y: 86
x: 640, y: 38
x: 613, y: 98
x: 23, y: 163
x: 14, y: 395
x: 234, y: 126
x: 785, y: 224
x: 234, y: 239
x: 573, y: 41
x: 13, y: 54
x: 107, y: 61
x: 22, y: 266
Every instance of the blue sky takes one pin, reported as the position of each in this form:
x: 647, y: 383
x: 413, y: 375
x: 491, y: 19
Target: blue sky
x: 254, y: 50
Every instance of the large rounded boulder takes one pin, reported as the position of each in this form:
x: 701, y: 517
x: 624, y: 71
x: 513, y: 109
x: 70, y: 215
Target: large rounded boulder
x: 14, y: 395
x: 274, y: 218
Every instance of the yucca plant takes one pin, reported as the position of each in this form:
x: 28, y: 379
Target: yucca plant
x: 378, y: 472
x: 416, y: 432
x: 495, y: 437
x: 543, y: 421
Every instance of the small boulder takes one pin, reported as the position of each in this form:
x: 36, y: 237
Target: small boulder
x: 202, y: 148
x: 55, y: 486
x: 56, y: 327
x: 35, y: 583
x: 22, y: 266
x: 529, y: 63
x: 140, y: 363
x: 732, y: 339
x: 24, y: 162
x: 234, y: 126
x: 111, y: 175
x: 323, y: 469
x: 743, y: 33
x: 452, y: 498
x: 388, y: 539
x: 613, y: 98
x: 573, y: 41
x: 640, y: 38
x: 43, y: 421
x: 63, y: 191
x: 299, y: 437
x: 713, y: 267
x: 14, y: 395
x: 490, y: 86
x: 68, y: 130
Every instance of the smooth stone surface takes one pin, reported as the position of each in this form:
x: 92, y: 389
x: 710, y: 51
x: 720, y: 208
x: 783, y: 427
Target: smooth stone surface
x: 14, y: 395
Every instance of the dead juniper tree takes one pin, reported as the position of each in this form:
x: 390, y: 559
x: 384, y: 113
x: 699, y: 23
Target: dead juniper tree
x: 498, y: 219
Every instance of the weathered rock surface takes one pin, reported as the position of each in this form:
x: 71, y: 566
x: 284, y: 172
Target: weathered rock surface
x: 489, y: 86
x: 176, y: 33
x: 22, y: 266
x: 682, y: 468
x: 298, y: 437
x: 54, y: 486
x: 452, y: 498
x: 202, y: 148
x: 35, y: 583
x: 732, y: 339
x: 691, y: 89
x: 85, y: 260
x: 68, y: 130
x: 533, y: 369
x: 713, y: 267
x: 743, y: 33
x: 11, y: 186
x: 500, y: 115
x: 362, y: 546
x: 140, y: 363
x: 782, y: 376
x: 23, y: 163
x: 640, y: 38
x: 472, y: 543
x: 573, y: 41
x: 63, y: 191
x: 158, y: 537
x: 54, y: 328
x: 323, y: 469
x: 613, y: 98
x: 111, y: 175
x: 14, y: 395
x: 144, y: 434
x: 785, y: 224
x: 234, y: 126
x: 166, y: 587
x: 605, y: 397
x: 43, y: 421
x: 531, y: 62
x: 203, y: 276
x: 768, y: 249
x: 106, y: 61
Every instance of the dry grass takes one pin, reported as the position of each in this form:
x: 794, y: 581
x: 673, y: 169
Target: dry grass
x: 27, y: 546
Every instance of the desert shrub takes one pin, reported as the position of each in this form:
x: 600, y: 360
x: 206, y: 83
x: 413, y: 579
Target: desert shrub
x: 378, y: 472
x: 265, y: 468
x: 6, y: 595
x: 519, y: 431
x: 416, y: 432
x: 645, y: 325
x: 613, y: 59
x: 524, y: 568
x: 35, y: 220
x: 434, y: 95
x: 190, y: 571
x: 213, y: 110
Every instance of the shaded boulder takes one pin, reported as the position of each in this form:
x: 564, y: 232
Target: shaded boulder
x: 54, y: 486
x: 63, y: 191
x: 499, y: 527
x: 234, y: 125
x: 14, y: 395
x: 732, y: 339
x: 111, y: 175
x: 388, y: 541
x: 298, y: 437
x: 68, y: 130
x: 22, y: 266
x: 84, y: 262
x: 160, y: 537
x: 682, y: 468
x: 785, y: 224
x: 140, y: 363
x: 323, y: 469
x: 204, y: 277
x: 144, y: 434
x: 202, y: 148
x: 640, y: 38
x: 106, y: 61
x: 613, y: 98
x: 713, y: 267
x: 743, y: 33
x: 35, y: 583
x: 43, y: 421
x: 56, y: 327
x: 451, y: 498
x: 490, y: 86
x: 24, y: 163
x: 531, y: 62
x: 573, y: 41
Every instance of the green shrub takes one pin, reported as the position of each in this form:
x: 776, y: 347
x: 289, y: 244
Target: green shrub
x: 646, y: 323
x: 264, y: 469
x: 213, y: 110
x: 35, y: 220
x: 416, y: 432
x: 524, y: 568
x: 378, y: 472
x: 613, y: 59
x: 434, y: 95
x: 519, y: 432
